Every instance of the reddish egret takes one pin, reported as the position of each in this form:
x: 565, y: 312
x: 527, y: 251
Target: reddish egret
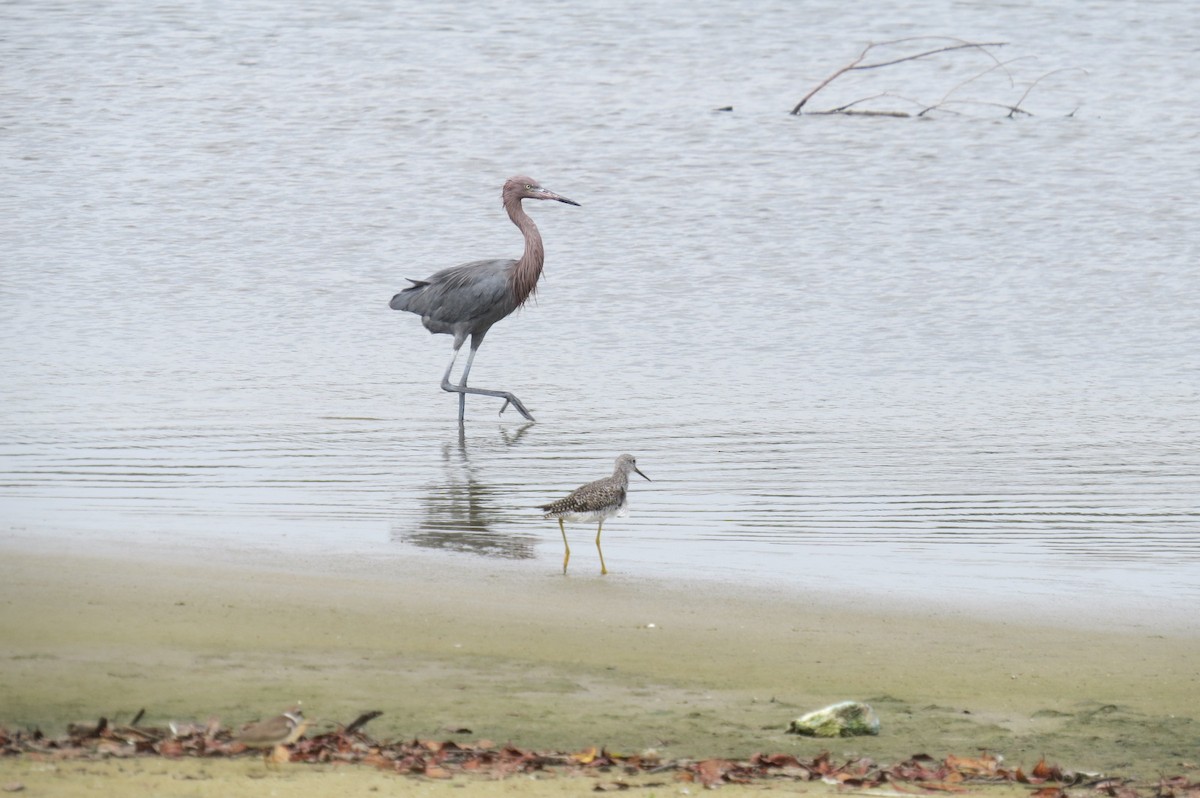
x: 595, y: 501
x: 468, y: 299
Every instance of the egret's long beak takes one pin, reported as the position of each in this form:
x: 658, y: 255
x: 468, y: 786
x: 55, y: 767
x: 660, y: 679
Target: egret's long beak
x: 643, y: 476
x: 550, y: 195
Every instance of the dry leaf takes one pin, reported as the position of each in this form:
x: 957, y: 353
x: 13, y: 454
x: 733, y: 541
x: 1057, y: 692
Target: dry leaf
x: 1041, y: 770
x: 973, y: 766
x: 586, y: 756
x: 712, y: 771
x: 170, y: 748
x: 775, y: 760
x: 1048, y: 792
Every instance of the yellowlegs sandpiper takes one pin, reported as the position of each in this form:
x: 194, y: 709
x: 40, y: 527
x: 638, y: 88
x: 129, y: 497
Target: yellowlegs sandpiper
x: 595, y: 501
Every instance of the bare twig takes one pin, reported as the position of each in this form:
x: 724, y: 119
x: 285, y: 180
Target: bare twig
x: 999, y: 65
x: 830, y: 79
x: 946, y: 97
x: 929, y: 53
x: 1017, y: 107
x: 362, y: 720
x: 1012, y: 109
x: 852, y: 112
x: 847, y: 109
x: 857, y: 63
x: 850, y: 105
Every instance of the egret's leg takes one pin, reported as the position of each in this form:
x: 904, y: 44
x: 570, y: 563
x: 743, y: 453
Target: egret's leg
x: 603, y: 570
x: 450, y: 368
x: 462, y: 397
x: 566, y: 545
x: 448, y: 387
x: 462, y: 390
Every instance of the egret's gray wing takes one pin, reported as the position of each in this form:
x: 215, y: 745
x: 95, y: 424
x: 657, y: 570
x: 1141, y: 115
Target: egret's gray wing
x: 470, y: 296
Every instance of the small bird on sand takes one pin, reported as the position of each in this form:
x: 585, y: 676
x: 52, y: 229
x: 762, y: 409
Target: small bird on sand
x: 274, y: 733
x: 595, y: 501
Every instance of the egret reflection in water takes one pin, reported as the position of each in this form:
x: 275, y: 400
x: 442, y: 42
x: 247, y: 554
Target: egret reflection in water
x: 458, y: 511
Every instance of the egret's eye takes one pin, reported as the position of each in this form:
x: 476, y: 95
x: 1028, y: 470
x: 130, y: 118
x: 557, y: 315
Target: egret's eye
x: 528, y: 187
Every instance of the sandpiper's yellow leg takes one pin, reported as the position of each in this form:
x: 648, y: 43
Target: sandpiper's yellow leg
x: 603, y: 570
x: 566, y: 545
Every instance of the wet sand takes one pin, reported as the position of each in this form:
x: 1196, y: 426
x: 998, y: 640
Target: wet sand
x: 517, y: 653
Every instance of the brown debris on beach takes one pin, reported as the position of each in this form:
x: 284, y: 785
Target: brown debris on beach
x: 445, y: 759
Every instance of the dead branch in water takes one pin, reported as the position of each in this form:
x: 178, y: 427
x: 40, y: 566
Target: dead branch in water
x: 857, y: 64
x: 953, y: 45
x: 1039, y: 80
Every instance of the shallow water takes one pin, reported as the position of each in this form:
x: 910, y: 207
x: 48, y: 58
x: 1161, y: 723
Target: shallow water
x: 949, y: 359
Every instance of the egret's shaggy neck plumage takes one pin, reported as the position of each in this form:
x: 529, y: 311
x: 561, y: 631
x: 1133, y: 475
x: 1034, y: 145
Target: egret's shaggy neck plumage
x: 528, y: 270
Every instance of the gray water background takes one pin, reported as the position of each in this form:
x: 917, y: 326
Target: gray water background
x: 949, y: 359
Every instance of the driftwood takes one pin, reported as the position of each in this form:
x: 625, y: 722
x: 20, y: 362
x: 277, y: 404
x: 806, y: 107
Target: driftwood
x: 951, y: 45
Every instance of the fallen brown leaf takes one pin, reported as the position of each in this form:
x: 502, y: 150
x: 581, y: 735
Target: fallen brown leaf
x: 775, y: 760
x: 711, y: 771
x: 172, y: 749
x: 1049, y: 792
x: 982, y: 765
x: 1042, y: 771
x: 586, y: 756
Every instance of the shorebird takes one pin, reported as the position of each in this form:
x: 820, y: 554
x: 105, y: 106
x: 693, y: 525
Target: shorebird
x: 595, y: 501
x: 273, y: 733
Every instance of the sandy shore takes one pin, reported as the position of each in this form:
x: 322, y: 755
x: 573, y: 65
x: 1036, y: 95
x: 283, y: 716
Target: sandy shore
x: 514, y: 652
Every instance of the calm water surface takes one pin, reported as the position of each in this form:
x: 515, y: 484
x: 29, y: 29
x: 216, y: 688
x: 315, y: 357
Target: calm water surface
x: 952, y: 359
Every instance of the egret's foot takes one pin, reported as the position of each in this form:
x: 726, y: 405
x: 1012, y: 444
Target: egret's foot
x: 515, y: 402
x: 463, y: 390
